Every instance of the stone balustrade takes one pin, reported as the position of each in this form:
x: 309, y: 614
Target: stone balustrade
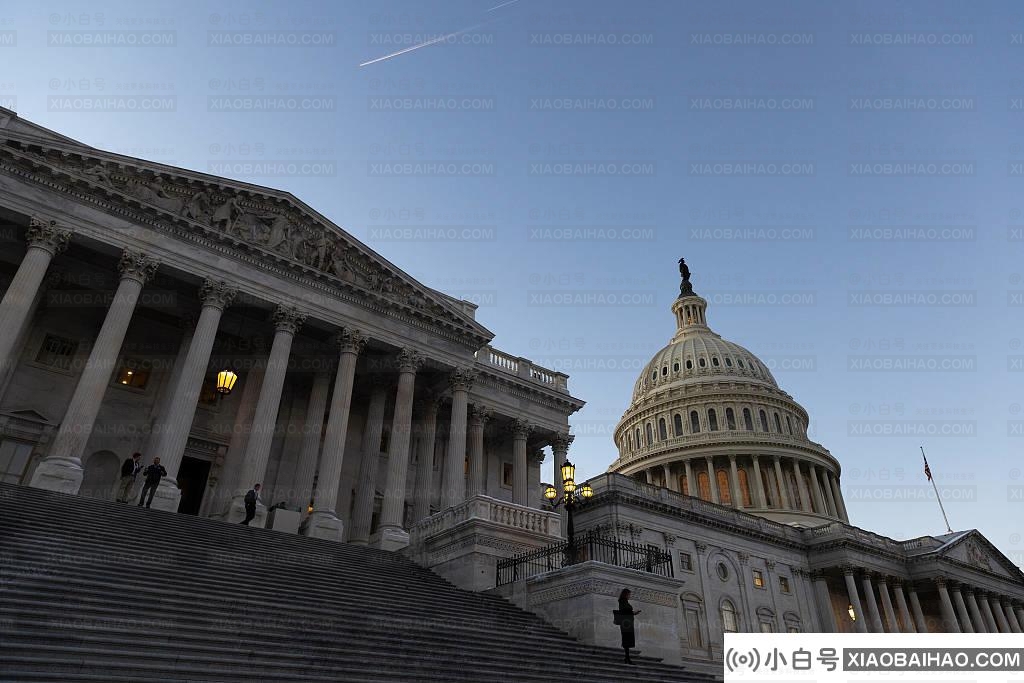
x: 487, y: 509
x: 524, y: 368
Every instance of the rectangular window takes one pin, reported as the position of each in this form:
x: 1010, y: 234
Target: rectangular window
x: 767, y: 627
x: 14, y: 457
x: 784, y: 584
x: 758, y: 578
x: 57, y: 352
x: 693, y: 628
x: 133, y: 373
x: 685, y: 561
x: 506, y: 474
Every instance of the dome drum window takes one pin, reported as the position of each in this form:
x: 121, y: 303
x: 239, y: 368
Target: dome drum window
x: 701, y: 362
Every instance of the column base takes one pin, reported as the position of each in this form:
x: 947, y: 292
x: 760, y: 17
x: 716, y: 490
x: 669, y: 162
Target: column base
x: 325, y: 525
x: 63, y: 475
x: 167, y: 496
x: 236, y: 512
x: 391, y: 538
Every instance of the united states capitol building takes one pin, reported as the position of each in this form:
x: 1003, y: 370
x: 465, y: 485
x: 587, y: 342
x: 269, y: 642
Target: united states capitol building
x: 241, y: 337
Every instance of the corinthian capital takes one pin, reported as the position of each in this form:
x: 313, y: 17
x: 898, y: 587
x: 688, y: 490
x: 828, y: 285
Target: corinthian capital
x: 137, y: 266
x: 217, y: 293
x: 520, y: 428
x: 46, y: 235
x: 409, y: 360
x: 288, y: 319
x: 350, y: 340
x: 560, y: 442
x: 479, y: 415
x: 462, y: 379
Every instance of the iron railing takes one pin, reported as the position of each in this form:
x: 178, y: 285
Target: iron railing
x: 588, y: 546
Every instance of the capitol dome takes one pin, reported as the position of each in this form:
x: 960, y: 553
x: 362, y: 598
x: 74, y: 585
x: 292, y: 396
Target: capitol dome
x: 708, y: 419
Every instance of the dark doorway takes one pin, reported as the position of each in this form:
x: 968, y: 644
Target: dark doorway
x: 192, y: 481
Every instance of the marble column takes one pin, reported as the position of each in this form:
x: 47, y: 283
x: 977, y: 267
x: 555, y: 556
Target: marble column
x: 759, y: 500
x: 948, y: 614
x: 915, y: 607
x: 712, y: 479
x: 734, y: 482
x: 453, y: 491
x: 986, y: 611
x: 45, y: 240
x: 62, y: 468
x: 1018, y: 610
x: 393, y: 535
x: 961, y: 608
x: 1011, y: 618
x: 478, y: 418
x: 691, y: 484
x: 824, y: 601
x: 234, y: 459
x: 52, y: 280
x: 901, y: 603
x: 520, y: 482
x: 369, y: 463
x: 312, y: 433
x: 174, y: 428
x: 287, y: 321
x: 837, y: 493
x: 425, y: 467
x: 860, y: 622
x: 872, y: 605
x: 818, y: 496
x: 323, y: 522
x: 972, y: 607
x: 801, y: 487
x: 783, y: 495
x: 560, y: 449
x: 882, y: 584
x: 666, y: 474
x: 830, y: 503
x: 997, y: 611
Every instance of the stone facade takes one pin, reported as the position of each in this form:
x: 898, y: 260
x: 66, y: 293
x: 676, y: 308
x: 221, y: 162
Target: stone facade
x: 129, y: 285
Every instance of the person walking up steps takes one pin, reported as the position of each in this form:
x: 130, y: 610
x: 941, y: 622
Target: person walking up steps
x: 251, y: 498
x: 153, y: 474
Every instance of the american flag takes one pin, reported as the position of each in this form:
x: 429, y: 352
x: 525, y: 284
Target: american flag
x: 927, y: 470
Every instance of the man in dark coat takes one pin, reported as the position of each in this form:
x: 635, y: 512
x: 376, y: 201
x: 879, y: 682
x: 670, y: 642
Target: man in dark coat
x: 129, y: 470
x: 250, y: 500
x: 153, y: 474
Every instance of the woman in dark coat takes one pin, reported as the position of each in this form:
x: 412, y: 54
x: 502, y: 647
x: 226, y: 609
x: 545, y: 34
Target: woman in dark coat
x: 626, y: 614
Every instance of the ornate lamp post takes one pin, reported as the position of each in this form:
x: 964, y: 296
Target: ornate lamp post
x: 571, y: 497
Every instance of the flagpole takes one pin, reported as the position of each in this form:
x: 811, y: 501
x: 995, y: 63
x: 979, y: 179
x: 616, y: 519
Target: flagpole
x: 928, y: 473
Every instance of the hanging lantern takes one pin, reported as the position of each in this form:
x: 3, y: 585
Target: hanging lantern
x: 226, y: 381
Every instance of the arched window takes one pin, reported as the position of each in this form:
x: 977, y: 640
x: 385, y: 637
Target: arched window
x: 744, y: 487
x: 677, y: 424
x: 712, y: 420
x: 730, y: 624
x: 778, y: 424
x: 728, y: 362
x: 684, y: 485
x: 689, y: 364
x: 650, y: 435
x: 748, y: 424
x: 724, y: 494
x: 704, y: 486
x: 764, y: 420
x: 694, y: 422
x: 637, y: 434
x: 789, y: 425
x: 740, y: 361
x: 654, y: 375
x: 662, y: 431
x: 701, y: 362
x: 714, y: 361
x: 730, y: 419
x: 675, y: 367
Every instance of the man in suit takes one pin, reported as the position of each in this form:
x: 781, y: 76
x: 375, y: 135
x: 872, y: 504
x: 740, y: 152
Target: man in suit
x: 154, y: 473
x: 129, y: 470
x: 252, y: 497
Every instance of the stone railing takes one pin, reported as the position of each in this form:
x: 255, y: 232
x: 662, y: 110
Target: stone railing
x: 524, y: 368
x: 487, y: 509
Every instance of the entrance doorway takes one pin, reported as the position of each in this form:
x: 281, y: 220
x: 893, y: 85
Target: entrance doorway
x: 192, y: 475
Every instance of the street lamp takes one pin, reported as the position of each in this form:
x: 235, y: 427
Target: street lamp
x: 571, y: 497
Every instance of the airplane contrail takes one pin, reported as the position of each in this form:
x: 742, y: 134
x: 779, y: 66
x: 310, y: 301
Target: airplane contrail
x: 504, y: 4
x: 425, y: 43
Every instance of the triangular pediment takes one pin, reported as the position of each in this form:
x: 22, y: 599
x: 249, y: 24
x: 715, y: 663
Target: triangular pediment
x: 975, y: 550
x: 28, y: 414
x: 252, y: 218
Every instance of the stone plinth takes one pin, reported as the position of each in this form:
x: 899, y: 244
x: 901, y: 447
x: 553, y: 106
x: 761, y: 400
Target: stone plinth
x: 464, y: 543
x: 282, y: 519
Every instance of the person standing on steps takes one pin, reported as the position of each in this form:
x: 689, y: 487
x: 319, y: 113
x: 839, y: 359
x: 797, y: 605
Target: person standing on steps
x: 153, y: 474
x: 251, y: 498
x: 625, y: 615
x: 129, y: 470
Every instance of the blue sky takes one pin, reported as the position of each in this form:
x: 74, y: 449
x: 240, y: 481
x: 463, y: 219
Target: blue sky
x: 768, y: 143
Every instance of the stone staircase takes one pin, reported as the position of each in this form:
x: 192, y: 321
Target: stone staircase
x: 100, y: 591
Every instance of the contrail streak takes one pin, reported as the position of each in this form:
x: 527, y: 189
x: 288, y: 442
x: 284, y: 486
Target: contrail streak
x: 504, y: 4
x: 432, y: 41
